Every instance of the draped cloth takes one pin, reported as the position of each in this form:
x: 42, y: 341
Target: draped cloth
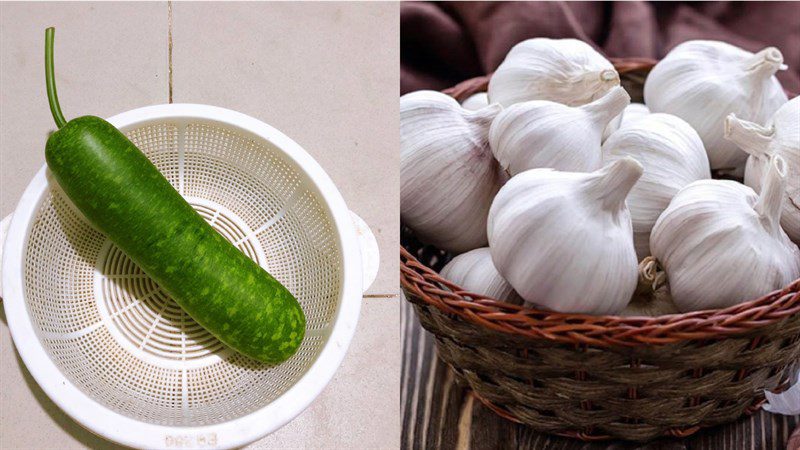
x: 445, y: 43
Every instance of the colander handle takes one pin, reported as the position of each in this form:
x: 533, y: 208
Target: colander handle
x: 3, y: 231
x: 370, y: 256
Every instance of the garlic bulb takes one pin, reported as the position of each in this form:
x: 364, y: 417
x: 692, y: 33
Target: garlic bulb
x: 781, y: 137
x: 475, y: 272
x: 476, y: 101
x: 566, y: 71
x: 722, y: 244
x: 447, y: 174
x: 630, y: 114
x: 672, y: 155
x: 563, y: 240
x: 542, y: 133
x: 703, y: 81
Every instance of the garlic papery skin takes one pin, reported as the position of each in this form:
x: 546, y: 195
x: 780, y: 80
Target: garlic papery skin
x: 630, y: 114
x: 721, y: 243
x: 703, y: 81
x: 448, y: 176
x: 476, y: 101
x: 788, y: 401
x: 566, y: 71
x: 474, y: 271
x: 563, y: 240
x: 541, y: 133
x: 781, y: 137
x: 672, y: 155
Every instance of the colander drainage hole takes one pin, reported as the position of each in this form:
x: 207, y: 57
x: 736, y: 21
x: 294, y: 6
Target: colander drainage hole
x: 144, y: 319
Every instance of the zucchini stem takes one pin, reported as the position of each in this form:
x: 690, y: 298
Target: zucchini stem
x: 52, y: 95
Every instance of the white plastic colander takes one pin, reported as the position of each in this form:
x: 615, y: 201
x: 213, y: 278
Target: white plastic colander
x: 118, y: 355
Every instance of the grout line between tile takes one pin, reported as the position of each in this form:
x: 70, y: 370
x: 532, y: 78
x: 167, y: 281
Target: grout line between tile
x: 169, y: 46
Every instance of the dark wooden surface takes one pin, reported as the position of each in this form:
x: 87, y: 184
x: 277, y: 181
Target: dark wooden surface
x: 438, y: 413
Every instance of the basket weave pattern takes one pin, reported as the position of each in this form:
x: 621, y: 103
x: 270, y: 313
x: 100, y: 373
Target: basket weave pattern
x: 601, y: 377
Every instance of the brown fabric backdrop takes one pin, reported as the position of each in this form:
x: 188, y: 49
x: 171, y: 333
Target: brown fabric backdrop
x: 445, y: 43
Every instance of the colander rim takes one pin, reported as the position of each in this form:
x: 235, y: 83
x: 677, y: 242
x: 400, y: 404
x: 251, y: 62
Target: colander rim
x: 116, y: 427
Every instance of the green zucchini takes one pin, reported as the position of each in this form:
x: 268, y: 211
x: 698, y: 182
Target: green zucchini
x: 124, y: 196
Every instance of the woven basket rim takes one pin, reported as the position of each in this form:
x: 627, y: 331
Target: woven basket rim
x: 584, y: 329
x: 596, y: 330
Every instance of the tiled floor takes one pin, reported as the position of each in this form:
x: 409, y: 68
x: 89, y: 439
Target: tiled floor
x: 325, y: 74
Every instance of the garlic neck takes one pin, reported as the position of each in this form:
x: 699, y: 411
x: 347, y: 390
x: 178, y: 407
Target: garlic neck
x: 609, y: 76
x: 750, y: 137
x: 770, y: 202
x: 483, y: 117
x: 478, y: 123
x: 608, y: 106
x: 765, y: 63
x: 614, y: 181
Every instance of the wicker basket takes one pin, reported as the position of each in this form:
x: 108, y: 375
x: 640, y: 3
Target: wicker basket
x: 602, y: 377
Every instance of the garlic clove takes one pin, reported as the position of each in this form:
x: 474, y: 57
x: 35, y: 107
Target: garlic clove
x: 672, y: 155
x: 474, y: 272
x: 720, y: 243
x: 780, y: 136
x: 629, y: 115
x: 703, y: 81
x: 563, y: 240
x: 476, y: 101
x: 542, y: 133
x: 448, y: 176
x: 567, y: 71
